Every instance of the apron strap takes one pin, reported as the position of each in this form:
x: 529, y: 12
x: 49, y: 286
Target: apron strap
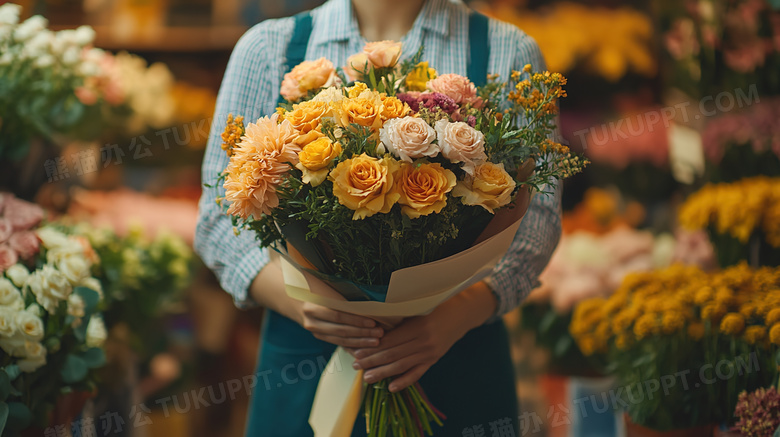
x: 479, y: 48
x: 296, y: 50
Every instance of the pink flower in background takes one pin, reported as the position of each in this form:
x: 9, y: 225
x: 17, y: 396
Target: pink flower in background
x: 21, y: 214
x: 746, y: 57
x: 756, y: 126
x: 681, y: 41
x: 8, y: 257
x: 25, y: 244
x: 630, y: 139
x: 87, y: 96
x: 6, y: 230
x: 458, y: 88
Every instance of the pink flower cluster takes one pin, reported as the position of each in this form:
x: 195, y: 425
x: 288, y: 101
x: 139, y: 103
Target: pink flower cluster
x: 756, y: 126
x: 447, y: 93
x: 629, y: 140
x: 17, y: 240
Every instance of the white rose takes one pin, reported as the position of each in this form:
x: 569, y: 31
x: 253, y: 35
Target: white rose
x: 44, y: 61
x: 7, y: 324
x: 409, y: 138
x: 96, y: 332
x: 34, y: 309
x: 10, y: 296
x: 34, y: 359
x: 74, y: 266
x: 329, y: 95
x: 460, y: 142
x: 93, y: 284
x: 18, y: 274
x: 9, y: 14
x: 84, y: 35
x: 75, y: 305
x: 30, y: 27
x: 686, y: 153
x: 49, y: 286
x: 29, y: 325
x: 52, y: 238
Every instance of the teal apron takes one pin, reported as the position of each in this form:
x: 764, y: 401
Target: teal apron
x: 473, y: 384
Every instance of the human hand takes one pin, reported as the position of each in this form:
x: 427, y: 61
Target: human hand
x: 339, y: 328
x: 407, y: 351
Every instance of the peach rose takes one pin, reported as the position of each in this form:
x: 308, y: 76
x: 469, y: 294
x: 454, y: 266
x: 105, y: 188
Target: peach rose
x: 315, y: 158
x: 6, y: 230
x: 258, y: 166
x: 393, y: 108
x: 357, y: 64
x: 364, y: 184
x: 491, y: 187
x: 307, y: 76
x: 454, y: 86
x: 460, y: 142
x: 21, y: 214
x: 383, y: 53
x: 409, y: 138
x: 423, y: 188
x: 306, y: 118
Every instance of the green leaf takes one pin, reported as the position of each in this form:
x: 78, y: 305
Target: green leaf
x: 19, y: 416
x: 777, y: 432
x: 548, y: 321
x: 5, y: 385
x: 3, y: 416
x: 91, y: 299
x: 94, y: 357
x: 74, y: 369
x: 13, y: 371
x: 563, y: 345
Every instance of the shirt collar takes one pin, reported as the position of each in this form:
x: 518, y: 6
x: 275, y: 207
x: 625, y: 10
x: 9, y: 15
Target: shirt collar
x: 338, y: 22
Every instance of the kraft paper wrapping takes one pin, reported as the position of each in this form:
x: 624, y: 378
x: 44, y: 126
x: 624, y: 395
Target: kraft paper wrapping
x: 412, y: 291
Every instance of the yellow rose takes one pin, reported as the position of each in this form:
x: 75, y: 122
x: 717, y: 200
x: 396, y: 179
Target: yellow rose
x: 491, y: 187
x: 393, y: 108
x: 315, y: 158
x: 365, y: 111
x: 417, y: 79
x: 356, y: 90
x: 364, y: 185
x: 423, y: 189
x: 306, y: 118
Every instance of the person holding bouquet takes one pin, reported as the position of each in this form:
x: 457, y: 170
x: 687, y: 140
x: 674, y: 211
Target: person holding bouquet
x: 460, y: 351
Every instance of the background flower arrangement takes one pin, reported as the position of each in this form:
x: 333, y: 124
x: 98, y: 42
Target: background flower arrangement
x: 681, y: 318
x: 51, y: 331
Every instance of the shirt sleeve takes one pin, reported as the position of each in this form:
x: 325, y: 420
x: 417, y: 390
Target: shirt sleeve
x: 517, y: 273
x: 249, y: 88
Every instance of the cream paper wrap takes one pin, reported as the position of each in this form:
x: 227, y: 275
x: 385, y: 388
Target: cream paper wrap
x: 412, y: 291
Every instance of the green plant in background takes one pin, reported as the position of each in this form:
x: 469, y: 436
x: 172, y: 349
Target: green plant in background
x: 708, y: 336
x: 142, y: 278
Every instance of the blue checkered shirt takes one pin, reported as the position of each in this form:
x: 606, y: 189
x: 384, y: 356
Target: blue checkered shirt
x: 251, y: 87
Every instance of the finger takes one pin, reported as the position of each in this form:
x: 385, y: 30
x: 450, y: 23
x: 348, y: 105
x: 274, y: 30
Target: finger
x: 347, y: 342
x: 387, y: 356
x: 339, y: 330
x: 392, y: 369
x: 341, y: 317
x: 408, y: 378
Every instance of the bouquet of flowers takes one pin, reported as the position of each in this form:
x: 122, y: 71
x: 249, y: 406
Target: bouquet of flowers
x: 51, y: 333
x: 397, y: 169
x: 684, y: 322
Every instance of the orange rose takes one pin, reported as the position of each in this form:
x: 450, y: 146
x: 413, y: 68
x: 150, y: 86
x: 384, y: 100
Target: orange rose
x: 491, y: 187
x: 306, y: 118
x: 315, y: 158
x: 423, y: 188
x: 365, y: 111
x: 364, y: 185
x: 383, y: 53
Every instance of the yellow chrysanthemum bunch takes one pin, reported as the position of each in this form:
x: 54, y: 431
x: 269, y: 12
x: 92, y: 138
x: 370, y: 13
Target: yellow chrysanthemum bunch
x: 737, y: 209
x: 683, y: 300
x: 607, y: 42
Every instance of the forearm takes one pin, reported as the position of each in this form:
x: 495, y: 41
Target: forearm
x: 470, y: 308
x: 268, y: 290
